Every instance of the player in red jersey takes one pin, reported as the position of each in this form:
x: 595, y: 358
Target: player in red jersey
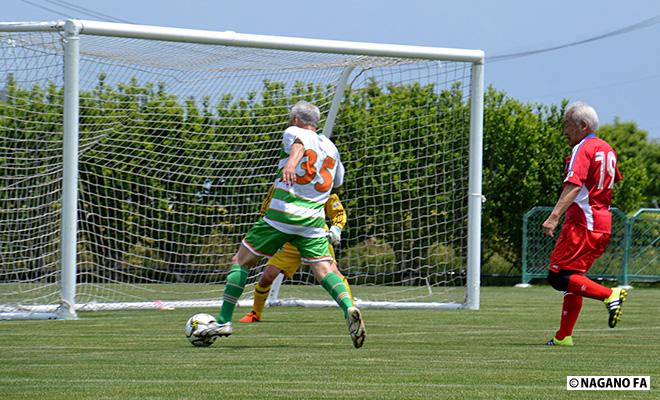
x: 591, y: 172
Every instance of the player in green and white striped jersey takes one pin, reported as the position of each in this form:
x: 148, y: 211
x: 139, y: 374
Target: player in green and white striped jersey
x: 299, y: 209
x: 308, y: 171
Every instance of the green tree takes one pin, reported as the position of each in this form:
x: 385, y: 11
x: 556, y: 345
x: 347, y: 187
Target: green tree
x: 402, y: 148
x: 639, y: 162
x: 164, y: 167
x: 30, y: 148
x: 523, y: 162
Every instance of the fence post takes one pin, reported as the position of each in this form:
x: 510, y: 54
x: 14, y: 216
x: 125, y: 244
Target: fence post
x: 525, y: 275
x: 631, y: 256
x: 525, y: 251
x: 627, y: 241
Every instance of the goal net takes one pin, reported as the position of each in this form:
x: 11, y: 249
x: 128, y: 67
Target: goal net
x: 178, y: 144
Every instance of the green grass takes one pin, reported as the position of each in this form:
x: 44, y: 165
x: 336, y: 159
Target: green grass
x: 496, y: 352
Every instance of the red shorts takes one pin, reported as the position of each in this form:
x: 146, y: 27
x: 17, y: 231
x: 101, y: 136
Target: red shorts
x: 577, y: 248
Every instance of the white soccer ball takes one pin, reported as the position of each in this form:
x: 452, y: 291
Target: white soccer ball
x: 195, y: 322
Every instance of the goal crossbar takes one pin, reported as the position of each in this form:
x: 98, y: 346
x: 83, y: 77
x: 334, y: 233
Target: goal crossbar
x: 230, y: 38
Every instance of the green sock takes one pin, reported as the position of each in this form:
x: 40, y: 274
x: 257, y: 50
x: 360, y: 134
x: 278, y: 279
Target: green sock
x: 334, y: 285
x: 233, y: 290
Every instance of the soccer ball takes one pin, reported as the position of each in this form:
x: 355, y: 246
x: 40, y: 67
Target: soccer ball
x: 199, y: 321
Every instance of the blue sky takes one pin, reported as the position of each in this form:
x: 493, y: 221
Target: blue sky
x: 618, y: 75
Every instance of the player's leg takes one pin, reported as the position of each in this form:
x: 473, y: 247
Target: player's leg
x: 576, y: 250
x: 261, y: 241
x: 336, y: 267
x: 582, y: 285
x: 592, y: 247
x: 236, y: 279
x: 331, y: 280
x: 234, y: 286
x: 326, y: 272
x: 343, y: 279
x: 566, y: 254
x: 261, y: 291
x: 316, y: 252
x: 321, y: 259
x: 570, y: 309
x: 617, y: 296
x: 286, y: 261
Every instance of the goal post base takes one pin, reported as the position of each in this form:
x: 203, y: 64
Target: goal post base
x: 29, y: 315
x: 43, y: 312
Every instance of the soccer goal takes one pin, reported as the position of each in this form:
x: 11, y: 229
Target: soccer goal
x: 134, y: 159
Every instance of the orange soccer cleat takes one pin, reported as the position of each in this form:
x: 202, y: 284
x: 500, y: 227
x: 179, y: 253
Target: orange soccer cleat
x: 250, y: 318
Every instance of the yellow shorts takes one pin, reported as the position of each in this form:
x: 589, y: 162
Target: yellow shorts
x: 288, y: 259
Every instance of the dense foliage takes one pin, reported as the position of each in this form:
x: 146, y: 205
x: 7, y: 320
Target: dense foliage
x: 524, y: 153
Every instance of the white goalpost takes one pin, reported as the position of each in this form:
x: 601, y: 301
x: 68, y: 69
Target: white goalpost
x: 134, y: 159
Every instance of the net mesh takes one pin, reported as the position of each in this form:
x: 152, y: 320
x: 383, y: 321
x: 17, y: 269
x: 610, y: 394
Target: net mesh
x: 31, y: 167
x: 179, y: 144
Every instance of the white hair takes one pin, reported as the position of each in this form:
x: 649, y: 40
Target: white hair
x: 582, y: 112
x: 306, y: 112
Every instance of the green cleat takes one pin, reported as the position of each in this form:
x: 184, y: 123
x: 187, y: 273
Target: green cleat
x: 567, y: 341
x: 614, y: 303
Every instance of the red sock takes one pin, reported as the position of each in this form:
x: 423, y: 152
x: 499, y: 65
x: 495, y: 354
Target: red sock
x: 570, y: 311
x: 583, y: 286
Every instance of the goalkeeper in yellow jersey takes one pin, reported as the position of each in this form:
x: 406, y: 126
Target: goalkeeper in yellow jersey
x: 287, y: 260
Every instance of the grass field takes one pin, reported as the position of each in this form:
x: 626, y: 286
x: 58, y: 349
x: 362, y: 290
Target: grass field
x: 494, y: 353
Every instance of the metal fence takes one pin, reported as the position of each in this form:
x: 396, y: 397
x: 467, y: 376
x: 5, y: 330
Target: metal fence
x: 632, y: 255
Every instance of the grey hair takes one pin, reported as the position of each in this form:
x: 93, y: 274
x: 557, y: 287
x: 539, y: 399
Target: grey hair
x: 581, y: 111
x: 306, y: 112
